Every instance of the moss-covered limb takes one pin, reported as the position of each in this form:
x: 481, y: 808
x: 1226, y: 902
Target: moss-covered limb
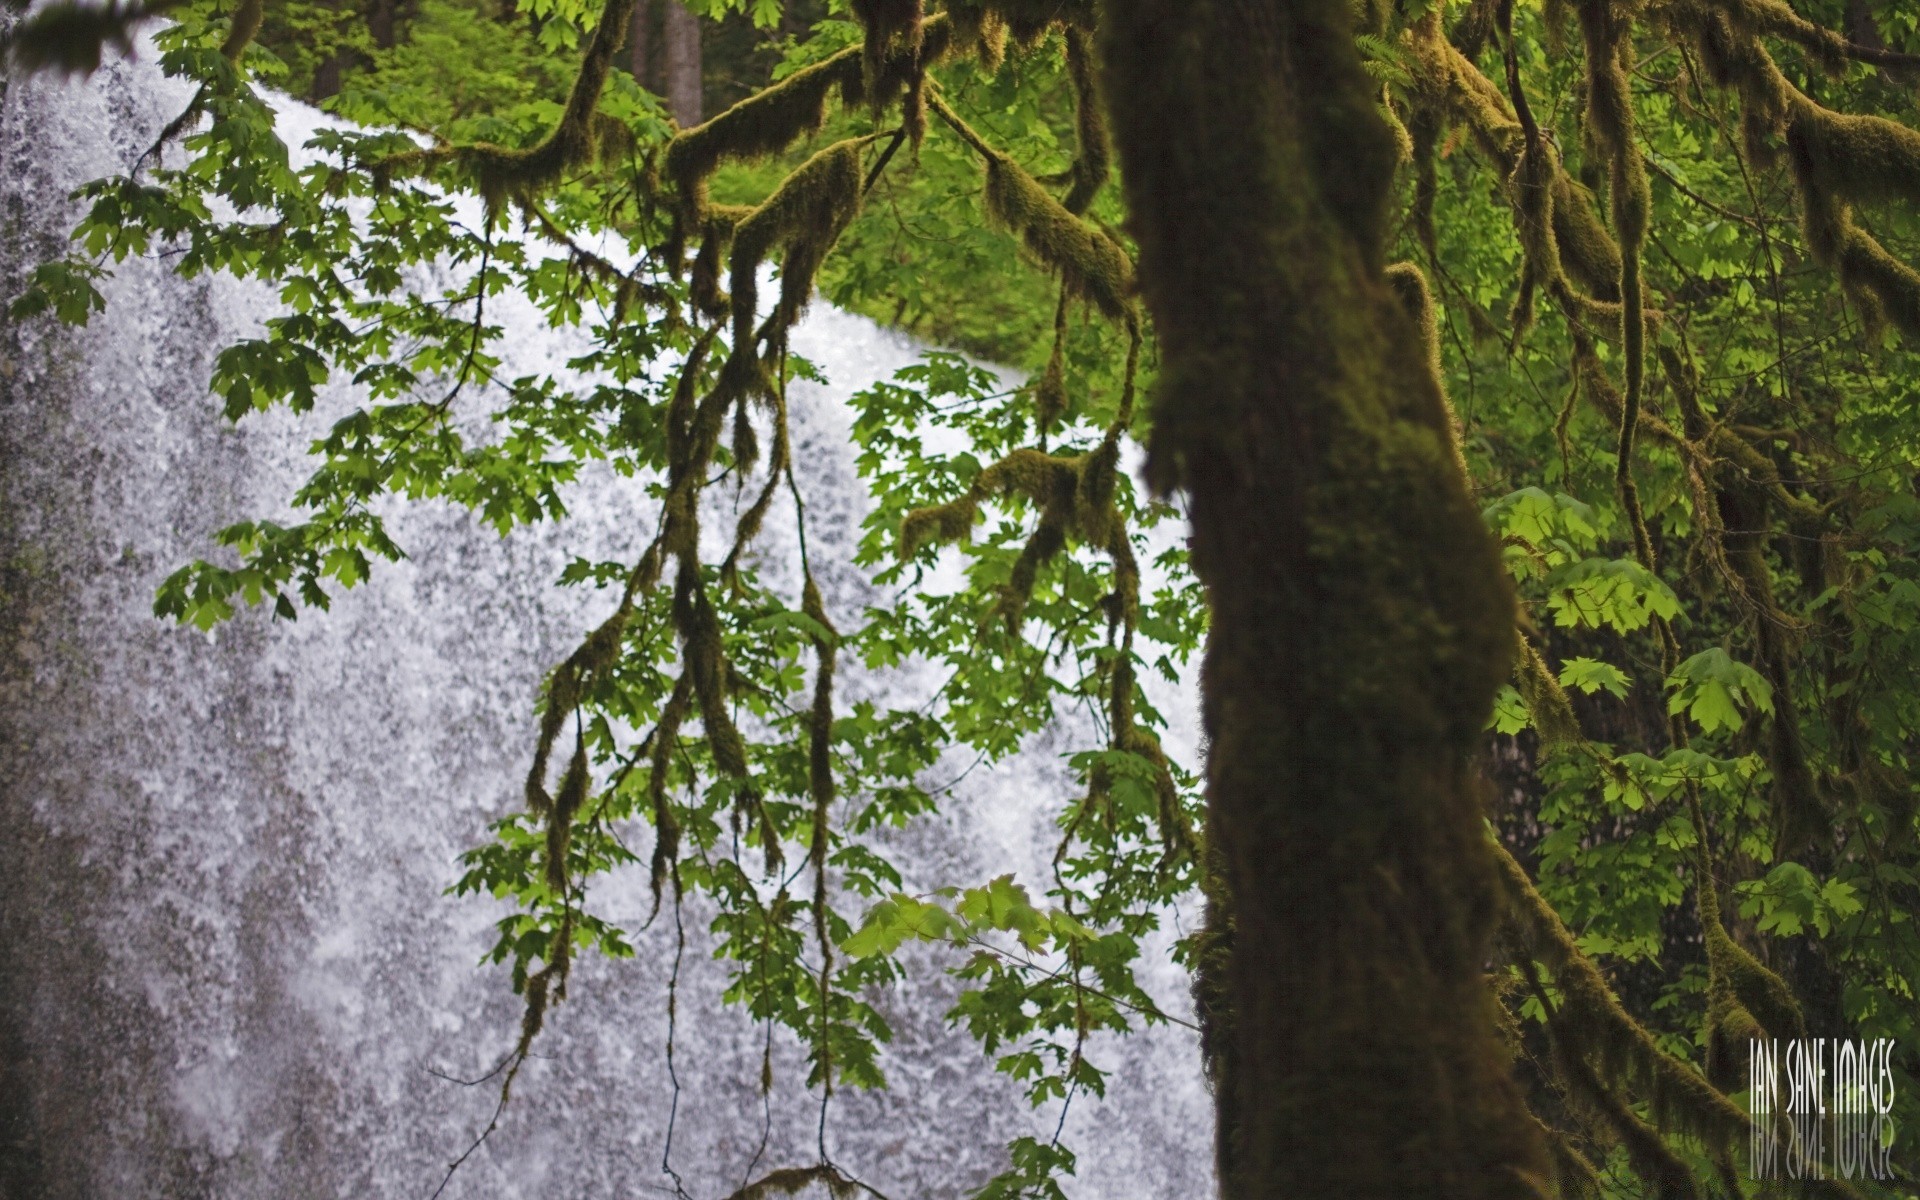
x: 1594, y: 1025
x: 1129, y: 380
x: 1733, y: 524
x: 1044, y: 480
x: 1423, y: 127
x: 683, y: 409
x: 663, y: 741
x: 1090, y: 263
x: 1838, y: 159
x: 563, y: 693
x: 761, y: 125
x: 693, y: 436
x: 775, y: 117
x: 502, y: 173
x: 1531, y: 189
x: 706, y: 662
x: 1075, y: 497
x: 1774, y: 18
x: 1177, y: 836
x: 1574, y: 1177
x: 1800, y: 815
x: 748, y: 526
x: 716, y: 240
x: 1606, y: 1114
x: 1647, y: 1152
x: 1569, y: 252
x: 893, y: 61
x: 1599, y: 319
x: 544, y: 988
x: 567, y: 802
x: 805, y: 216
x: 1553, y: 716
x: 1744, y: 998
x: 1862, y: 159
x: 565, y: 689
x: 694, y: 424
x: 1887, y: 288
x: 1737, y: 462
x: 979, y: 30
x: 1605, y: 30
x: 1025, y: 21
x: 1588, y: 253
x: 1717, y: 448
x: 890, y: 25
x: 1093, y: 158
x: 1356, y: 600
x: 1410, y: 285
x: 241, y: 28
x: 627, y: 286
x: 1050, y: 392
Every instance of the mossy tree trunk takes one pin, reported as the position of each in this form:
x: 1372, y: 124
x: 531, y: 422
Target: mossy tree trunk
x: 1360, y: 618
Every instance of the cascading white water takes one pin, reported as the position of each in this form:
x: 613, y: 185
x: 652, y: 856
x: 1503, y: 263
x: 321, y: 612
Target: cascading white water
x: 229, y: 970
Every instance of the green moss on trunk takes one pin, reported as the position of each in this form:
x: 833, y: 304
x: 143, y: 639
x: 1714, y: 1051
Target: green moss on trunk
x: 1360, y: 619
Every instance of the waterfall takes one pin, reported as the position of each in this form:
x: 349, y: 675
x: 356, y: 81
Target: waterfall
x: 229, y: 968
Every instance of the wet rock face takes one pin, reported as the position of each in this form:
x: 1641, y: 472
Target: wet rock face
x: 227, y: 968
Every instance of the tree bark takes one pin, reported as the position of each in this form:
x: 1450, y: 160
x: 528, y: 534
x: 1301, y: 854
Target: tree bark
x: 1861, y: 26
x: 681, y: 33
x: 382, y: 23
x: 640, y: 43
x: 1361, y: 620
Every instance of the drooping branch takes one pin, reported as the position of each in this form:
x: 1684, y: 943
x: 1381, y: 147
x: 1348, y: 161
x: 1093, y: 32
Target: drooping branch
x: 1592, y: 1024
x: 502, y: 173
x: 1088, y: 261
x: 1838, y: 159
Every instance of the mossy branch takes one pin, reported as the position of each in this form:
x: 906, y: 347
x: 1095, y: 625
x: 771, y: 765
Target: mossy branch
x: 1594, y: 1025
x: 821, y: 792
x: 1093, y: 160
x: 1772, y: 18
x: 1088, y: 261
x: 759, y: 126
x: 806, y: 215
x: 1567, y: 251
x: 581, y: 134
x: 774, y: 118
x: 1838, y: 159
x: 242, y: 28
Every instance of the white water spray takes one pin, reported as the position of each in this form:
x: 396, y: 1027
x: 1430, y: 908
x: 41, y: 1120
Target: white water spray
x: 229, y: 969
